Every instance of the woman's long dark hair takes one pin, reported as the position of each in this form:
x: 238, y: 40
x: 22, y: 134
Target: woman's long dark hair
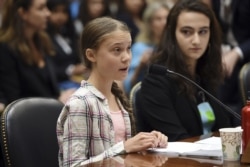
x: 11, y: 32
x: 122, y: 8
x: 84, y: 14
x: 68, y: 30
x: 209, y: 66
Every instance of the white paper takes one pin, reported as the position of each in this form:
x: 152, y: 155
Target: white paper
x: 211, y: 143
x: 209, y: 148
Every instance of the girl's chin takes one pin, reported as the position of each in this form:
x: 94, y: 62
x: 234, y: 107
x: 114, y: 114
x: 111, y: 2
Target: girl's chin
x: 121, y: 79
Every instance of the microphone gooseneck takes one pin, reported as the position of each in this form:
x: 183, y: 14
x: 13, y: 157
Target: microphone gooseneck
x: 162, y: 70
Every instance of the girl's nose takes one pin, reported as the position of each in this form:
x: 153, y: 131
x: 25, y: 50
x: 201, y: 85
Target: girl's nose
x: 196, y: 39
x: 126, y: 57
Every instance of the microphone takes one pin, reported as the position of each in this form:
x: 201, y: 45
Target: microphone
x: 162, y: 70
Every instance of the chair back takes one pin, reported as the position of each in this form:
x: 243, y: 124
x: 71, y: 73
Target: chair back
x: 28, y: 132
x: 132, y: 98
x: 244, y: 82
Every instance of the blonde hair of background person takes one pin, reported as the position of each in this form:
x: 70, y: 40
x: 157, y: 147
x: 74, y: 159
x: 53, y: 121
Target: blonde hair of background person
x: 87, y: 129
x: 170, y: 3
x: 154, y: 19
x: 27, y: 47
x: 147, y: 34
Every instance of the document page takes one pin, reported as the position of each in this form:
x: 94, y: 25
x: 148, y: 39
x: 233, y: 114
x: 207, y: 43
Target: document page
x: 206, y: 148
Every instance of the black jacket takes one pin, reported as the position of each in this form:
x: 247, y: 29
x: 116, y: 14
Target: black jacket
x: 160, y: 107
x: 18, y: 79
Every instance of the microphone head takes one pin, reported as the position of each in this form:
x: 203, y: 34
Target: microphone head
x: 157, y: 69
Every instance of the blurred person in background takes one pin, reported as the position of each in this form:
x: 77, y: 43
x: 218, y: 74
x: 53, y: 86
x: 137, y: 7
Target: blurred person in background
x: 26, y: 68
x: 65, y: 40
x: 234, y: 19
x: 154, y: 19
x: 89, y: 10
x: 131, y: 12
x: 170, y: 3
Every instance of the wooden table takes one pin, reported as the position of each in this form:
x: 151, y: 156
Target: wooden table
x: 163, y: 160
x: 246, y: 156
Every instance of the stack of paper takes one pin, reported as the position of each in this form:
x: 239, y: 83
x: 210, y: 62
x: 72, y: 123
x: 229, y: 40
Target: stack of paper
x: 206, y: 148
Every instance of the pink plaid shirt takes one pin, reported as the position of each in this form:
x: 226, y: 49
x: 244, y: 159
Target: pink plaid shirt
x: 85, y: 130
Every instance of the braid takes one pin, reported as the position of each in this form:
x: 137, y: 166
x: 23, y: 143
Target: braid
x: 125, y: 103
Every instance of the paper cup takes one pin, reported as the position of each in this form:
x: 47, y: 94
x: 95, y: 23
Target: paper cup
x: 231, y: 139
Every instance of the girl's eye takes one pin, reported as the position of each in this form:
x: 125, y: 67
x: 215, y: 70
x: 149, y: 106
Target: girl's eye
x: 203, y: 32
x: 186, y: 32
x: 117, y: 49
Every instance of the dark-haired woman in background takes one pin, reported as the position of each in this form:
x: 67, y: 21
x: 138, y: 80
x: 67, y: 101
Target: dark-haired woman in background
x: 89, y: 10
x: 191, y: 47
x: 131, y: 12
x: 65, y: 40
x: 26, y: 68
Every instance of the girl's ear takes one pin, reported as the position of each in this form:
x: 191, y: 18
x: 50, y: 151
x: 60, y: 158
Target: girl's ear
x: 90, y: 54
x: 21, y: 12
